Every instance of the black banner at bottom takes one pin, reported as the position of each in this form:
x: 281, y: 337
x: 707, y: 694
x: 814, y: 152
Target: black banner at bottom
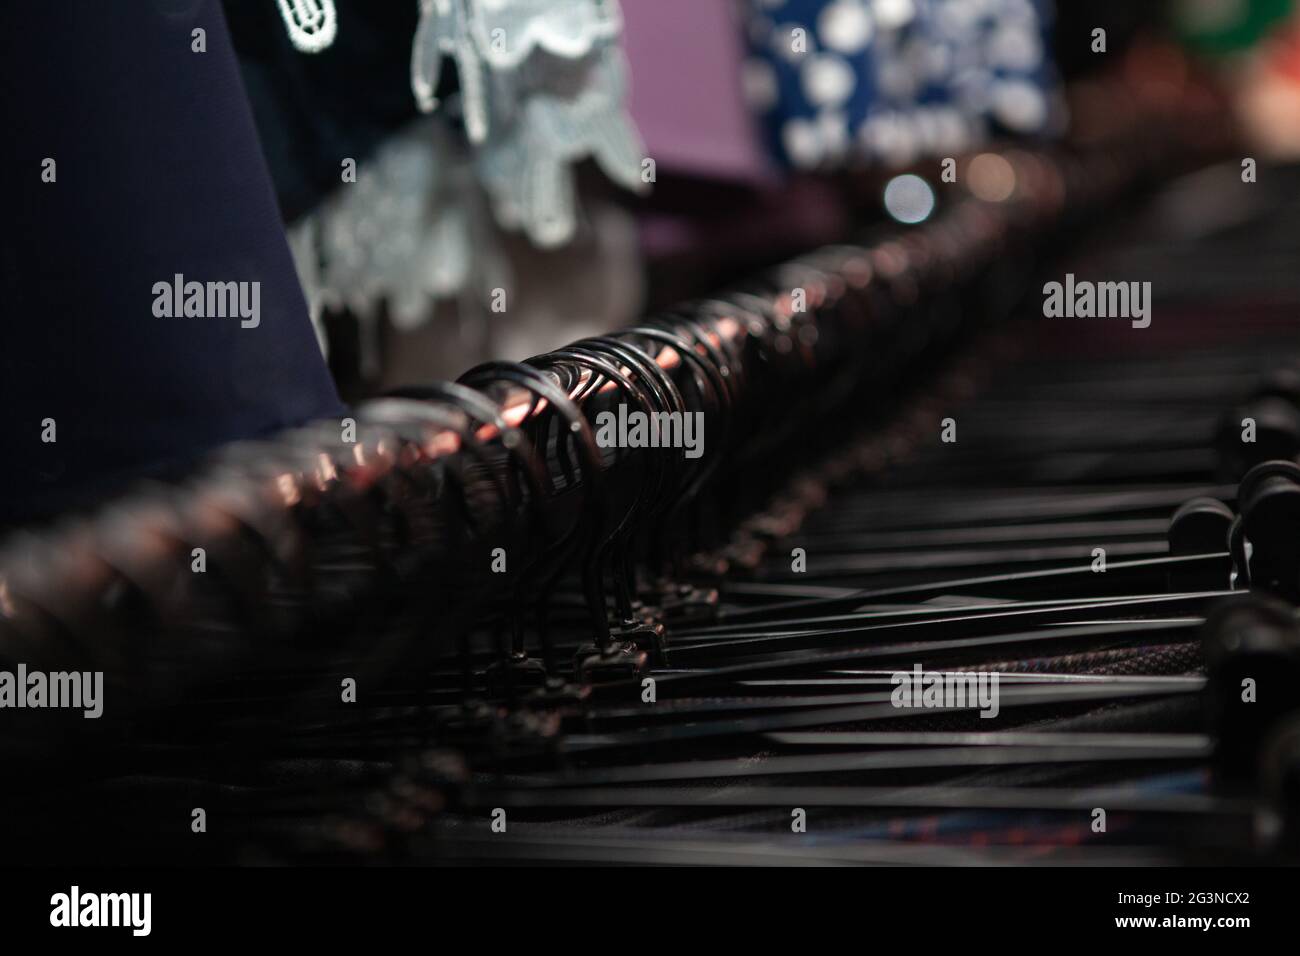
x: 335, y: 905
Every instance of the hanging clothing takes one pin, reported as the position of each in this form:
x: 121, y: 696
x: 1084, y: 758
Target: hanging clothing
x: 842, y: 82
x: 136, y: 164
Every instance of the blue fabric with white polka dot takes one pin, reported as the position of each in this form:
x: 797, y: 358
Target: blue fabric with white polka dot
x: 842, y: 82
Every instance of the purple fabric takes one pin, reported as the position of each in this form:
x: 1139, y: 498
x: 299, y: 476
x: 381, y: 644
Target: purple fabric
x: 686, y: 58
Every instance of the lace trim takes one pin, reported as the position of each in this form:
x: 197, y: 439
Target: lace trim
x: 497, y: 36
x: 312, y: 24
x: 416, y: 226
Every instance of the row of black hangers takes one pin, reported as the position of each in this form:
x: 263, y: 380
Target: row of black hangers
x: 302, y: 535
x: 376, y: 557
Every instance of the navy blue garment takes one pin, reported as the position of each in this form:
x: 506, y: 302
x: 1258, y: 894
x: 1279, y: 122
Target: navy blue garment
x: 158, y: 173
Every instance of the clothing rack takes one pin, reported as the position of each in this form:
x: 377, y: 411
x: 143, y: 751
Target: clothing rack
x: 495, y: 587
x: 311, y: 526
